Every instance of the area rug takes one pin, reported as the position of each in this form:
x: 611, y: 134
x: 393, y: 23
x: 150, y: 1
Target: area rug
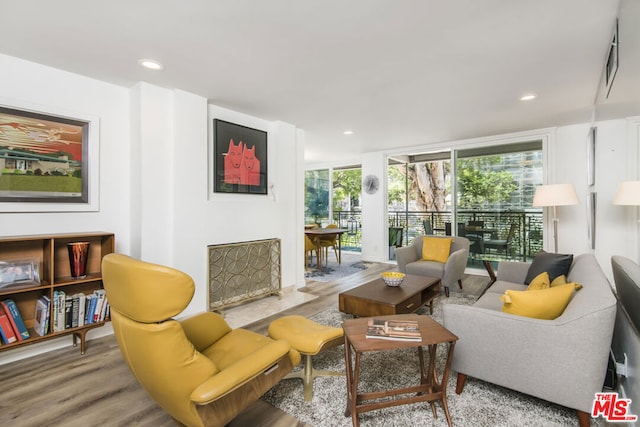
x: 351, y: 264
x: 481, y: 404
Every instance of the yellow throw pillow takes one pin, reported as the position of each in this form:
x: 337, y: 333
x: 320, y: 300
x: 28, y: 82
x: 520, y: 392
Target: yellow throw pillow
x: 562, y: 280
x: 436, y: 249
x: 541, y: 281
x: 540, y: 304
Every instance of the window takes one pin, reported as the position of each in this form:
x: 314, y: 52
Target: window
x: 316, y: 196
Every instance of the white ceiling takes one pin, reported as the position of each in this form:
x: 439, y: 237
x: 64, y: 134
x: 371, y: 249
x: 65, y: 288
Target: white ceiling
x: 397, y: 73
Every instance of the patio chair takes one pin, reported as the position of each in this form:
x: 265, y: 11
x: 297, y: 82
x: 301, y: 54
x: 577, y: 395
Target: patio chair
x: 428, y: 230
x: 501, y: 245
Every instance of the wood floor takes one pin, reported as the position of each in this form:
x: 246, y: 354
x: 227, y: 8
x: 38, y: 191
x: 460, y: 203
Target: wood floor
x: 64, y: 388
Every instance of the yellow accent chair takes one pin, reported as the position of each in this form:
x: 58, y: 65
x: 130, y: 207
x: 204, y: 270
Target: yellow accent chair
x: 309, y: 338
x: 199, y: 370
x: 309, y: 249
x: 329, y: 242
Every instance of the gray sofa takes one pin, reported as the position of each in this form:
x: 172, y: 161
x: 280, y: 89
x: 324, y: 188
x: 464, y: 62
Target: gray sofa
x: 562, y: 360
x: 410, y: 261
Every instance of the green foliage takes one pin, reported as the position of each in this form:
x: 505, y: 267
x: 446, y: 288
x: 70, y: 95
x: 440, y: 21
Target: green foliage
x: 347, y: 184
x: 396, y: 184
x: 480, y: 186
x: 316, y: 197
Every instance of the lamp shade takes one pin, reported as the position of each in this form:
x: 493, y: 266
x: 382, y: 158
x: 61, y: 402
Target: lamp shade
x: 628, y: 194
x: 555, y: 195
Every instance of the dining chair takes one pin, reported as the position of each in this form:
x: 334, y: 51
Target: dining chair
x: 475, y: 237
x: 428, y: 230
x: 309, y: 249
x: 329, y: 242
x: 501, y: 245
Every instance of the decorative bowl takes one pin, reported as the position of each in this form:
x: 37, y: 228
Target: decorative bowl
x: 393, y: 278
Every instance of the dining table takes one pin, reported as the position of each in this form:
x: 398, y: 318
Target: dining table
x: 316, y: 234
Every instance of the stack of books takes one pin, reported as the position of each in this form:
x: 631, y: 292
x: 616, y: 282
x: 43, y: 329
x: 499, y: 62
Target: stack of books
x: 12, y: 327
x: 72, y: 311
x: 398, y: 330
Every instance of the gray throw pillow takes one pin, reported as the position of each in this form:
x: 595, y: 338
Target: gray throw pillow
x: 554, y: 264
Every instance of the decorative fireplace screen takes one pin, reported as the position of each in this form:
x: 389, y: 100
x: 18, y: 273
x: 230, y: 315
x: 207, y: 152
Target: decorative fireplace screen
x: 243, y: 271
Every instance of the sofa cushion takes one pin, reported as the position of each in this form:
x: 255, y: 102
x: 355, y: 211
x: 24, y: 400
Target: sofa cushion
x: 554, y: 264
x: 436, y: 249
x: 540, y: 304
x: 502, y: 285
x: 425, y: 268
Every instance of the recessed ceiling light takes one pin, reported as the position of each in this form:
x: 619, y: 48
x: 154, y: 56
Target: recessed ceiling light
x: 348, y: 132
x: 528, y: 97
x: 151, y: 64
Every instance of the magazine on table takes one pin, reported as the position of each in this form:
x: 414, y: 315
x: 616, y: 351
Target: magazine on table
x: 398, y: 330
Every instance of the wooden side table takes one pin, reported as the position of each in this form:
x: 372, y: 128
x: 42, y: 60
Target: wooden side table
x: 430, y: 388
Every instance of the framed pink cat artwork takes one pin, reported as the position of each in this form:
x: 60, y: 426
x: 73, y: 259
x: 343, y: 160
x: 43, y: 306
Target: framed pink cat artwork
x: 240, y: 159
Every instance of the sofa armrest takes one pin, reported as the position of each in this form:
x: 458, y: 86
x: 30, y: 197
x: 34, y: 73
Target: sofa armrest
x: 454, y: 267
x: 512, y: 271
x: 404, y: 256
x: 543, y: 358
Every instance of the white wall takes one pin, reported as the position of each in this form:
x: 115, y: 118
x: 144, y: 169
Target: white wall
x: 154, y: 194
x: 179, y: 216
x: 375, y: 240
x: 56, y: 90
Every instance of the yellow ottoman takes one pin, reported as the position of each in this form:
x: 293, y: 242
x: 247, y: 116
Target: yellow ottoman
x: 309, y: 338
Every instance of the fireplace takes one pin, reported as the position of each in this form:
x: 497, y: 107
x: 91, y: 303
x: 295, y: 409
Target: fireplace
x: 243, y: 271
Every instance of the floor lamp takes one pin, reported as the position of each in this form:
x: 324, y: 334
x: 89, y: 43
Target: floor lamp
x: 628, y: 194
x: 555, y: 195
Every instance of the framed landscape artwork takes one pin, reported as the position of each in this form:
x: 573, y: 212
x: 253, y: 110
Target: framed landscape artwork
x: 44, y: 160
x: 240, y: 159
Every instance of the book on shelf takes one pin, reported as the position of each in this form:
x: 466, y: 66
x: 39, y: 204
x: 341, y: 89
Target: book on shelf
x: 15, y: 318
x: 68, y: 312
x: 6, y: 330
x: 98, y: 313
x: 397, y: 330
x: 41, y: 317
x: 59, y: 314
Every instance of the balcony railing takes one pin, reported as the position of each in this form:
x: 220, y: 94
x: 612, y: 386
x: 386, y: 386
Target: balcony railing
x: 527, y: 240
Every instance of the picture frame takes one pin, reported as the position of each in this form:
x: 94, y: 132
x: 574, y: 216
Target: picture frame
x: 591, y: 156
x: 48, y: 159
x: 239, y: 158
x: 611, y: 67
x: 19, y: 274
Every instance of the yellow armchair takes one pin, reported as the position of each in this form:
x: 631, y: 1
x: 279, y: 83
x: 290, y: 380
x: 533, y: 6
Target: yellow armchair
x: 199, y: 370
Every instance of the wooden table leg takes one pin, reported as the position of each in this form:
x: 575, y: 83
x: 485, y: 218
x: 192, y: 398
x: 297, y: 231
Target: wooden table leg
x: 340, y: 248
x: 492, y: 276
x: 445, y: 378
x: 318, y: 252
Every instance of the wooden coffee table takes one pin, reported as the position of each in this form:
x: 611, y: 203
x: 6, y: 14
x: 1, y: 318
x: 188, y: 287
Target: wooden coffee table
x: 375, y: 298
x: 430, y: 388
